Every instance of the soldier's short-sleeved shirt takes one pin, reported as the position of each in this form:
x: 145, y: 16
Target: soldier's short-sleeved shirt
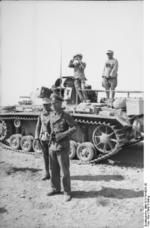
x: 110, y: 68
x: 61, y: 122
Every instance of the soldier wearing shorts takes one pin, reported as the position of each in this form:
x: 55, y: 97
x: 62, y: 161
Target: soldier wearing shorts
x: 79, y: 76
x: 109, y: 76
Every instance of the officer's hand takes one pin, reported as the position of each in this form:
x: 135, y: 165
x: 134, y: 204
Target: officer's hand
x: 47, y: 136
x: 37, y: 139
x: 59, y: 136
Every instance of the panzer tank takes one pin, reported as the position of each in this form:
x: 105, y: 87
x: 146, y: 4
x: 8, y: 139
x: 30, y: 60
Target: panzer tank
x: 103, y: 127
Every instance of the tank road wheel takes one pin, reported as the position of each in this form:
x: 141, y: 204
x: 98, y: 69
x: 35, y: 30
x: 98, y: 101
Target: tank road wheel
x: 26, y: 143
x: 37, y: 147
x: 73, y: 147
x: 85, y: 151
x: 106, y: 138
x: 17, y: 123
x: 14, y: 141
x: 5, y: 130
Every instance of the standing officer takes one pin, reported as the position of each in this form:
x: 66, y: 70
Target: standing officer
x: 109, y: 75
x: 62, y: 126
x: 42, y: 134
x: 79, y: 76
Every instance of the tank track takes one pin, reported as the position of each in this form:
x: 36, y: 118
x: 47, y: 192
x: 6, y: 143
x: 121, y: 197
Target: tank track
x: 6, y: 147
x: 101, y: 156
x: 19, y: 117
x: 134, y: 141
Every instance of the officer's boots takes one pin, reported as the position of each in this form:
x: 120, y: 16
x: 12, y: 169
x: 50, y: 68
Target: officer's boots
x: 67, y: 197
x: 46, y: 177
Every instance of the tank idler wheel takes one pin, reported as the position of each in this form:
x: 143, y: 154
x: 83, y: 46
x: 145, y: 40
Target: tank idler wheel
x: 26, y: 143
x: 73, y: 147
x: 15, y: 140
x: 37, y: 146
x: 85, y: 151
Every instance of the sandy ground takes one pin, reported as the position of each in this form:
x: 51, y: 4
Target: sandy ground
x: 104, y: 195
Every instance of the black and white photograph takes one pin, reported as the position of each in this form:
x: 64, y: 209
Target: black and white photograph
x: 72, y: 115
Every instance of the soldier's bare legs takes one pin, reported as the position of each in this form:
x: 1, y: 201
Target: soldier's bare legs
x: 77, y: 84
x: 106, y: 85
x: 113, y: 83
x: 113, y: 94
x: 107, y: 94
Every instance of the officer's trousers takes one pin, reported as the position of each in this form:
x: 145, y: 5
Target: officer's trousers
x: 59, y: 170
x: 45, y: 149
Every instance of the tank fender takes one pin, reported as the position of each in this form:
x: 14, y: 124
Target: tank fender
x: 124, y: 121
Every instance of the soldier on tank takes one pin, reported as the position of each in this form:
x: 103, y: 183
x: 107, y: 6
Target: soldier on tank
x: 42, y: 134
x: 62, y: 126
x: 79, y: 76
x: 110, y: 74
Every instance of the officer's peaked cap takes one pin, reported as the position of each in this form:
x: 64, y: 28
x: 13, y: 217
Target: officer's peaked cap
x: 110, y: 52
x: 46, y: 100
x: 78, y: 55
x: 55, y: 97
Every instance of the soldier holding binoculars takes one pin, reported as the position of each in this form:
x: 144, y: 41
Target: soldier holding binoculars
x: 79, y: 76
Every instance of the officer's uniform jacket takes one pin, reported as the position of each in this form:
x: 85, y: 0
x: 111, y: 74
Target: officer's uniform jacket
x: 78, y: 69
x: 61, y: 123
x: 43, y: 127
x: 110, y: 68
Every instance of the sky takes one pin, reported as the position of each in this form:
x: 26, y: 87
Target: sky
x: 34, y: 33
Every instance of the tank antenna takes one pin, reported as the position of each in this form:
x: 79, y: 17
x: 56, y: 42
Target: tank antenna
x: 60, y: 60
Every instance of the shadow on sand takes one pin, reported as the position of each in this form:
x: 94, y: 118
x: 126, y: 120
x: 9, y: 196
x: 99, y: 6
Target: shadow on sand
x: 3, y: 210
x: 98, y: 178
x: 130, y: 156
x: 108, y: 193
x: 20, y: 169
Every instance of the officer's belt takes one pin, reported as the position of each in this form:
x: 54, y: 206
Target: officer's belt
x: 108, y: 78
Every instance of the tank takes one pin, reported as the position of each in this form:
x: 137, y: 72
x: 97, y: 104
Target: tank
x: 103, y: 127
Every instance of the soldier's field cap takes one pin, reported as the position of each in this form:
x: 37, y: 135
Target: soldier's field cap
x: 55, y: 97
x: 46, y: 100
x: 110, y: 52
x: 78, y: 55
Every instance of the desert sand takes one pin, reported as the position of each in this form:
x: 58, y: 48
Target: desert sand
x: 106, y: 195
